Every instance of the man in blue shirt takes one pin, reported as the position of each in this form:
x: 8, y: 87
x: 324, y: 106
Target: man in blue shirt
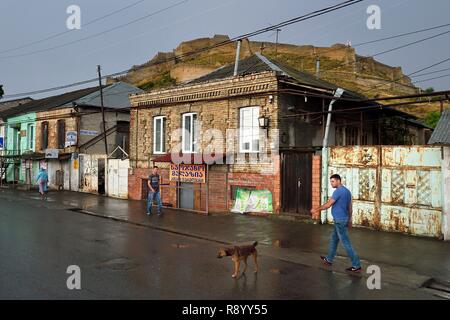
x: 341, y: 210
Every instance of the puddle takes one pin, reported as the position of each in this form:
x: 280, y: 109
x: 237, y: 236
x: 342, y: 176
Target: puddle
x: 118, y: 264
x: 280, y: 244
x: 180, y: 246
x: 277, y: 271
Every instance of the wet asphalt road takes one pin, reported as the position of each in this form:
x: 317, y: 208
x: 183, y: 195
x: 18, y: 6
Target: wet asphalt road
x: 39, y: 241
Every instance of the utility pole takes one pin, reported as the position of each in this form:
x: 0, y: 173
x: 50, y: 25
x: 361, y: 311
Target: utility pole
x: 276, y: 43
x: 103, y: 108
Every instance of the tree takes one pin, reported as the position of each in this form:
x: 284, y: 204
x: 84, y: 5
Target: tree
x: 429, y: 90
x: 1, y: 91
x: 432, y: 118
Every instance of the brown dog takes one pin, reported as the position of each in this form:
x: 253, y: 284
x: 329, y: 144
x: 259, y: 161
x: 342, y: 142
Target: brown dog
x: 238, y: 253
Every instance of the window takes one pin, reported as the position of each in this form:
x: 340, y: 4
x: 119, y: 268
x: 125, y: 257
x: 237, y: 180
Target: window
x: 189, y: 135
x: 30, y: 136
x: 159, y: 134
x: 44, y: 135
x: 61, y: 134
x: 249, y: 129
x: 351, y: 136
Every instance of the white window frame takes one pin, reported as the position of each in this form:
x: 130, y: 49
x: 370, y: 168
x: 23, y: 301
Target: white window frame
x: 193, y: 143
x: 162, y: 135
x: 255, y: 126
x: 30, y: 142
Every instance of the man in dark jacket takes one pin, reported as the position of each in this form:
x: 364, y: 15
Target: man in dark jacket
x: 153, y: 184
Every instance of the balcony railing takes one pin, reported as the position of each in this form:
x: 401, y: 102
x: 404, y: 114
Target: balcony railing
x: 10, y: 153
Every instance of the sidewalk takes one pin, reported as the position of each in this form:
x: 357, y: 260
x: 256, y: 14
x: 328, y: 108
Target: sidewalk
x: 406, y: 260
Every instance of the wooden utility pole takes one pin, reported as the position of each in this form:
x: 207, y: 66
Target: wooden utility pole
x: 103, y: 108
x: 276, y: 43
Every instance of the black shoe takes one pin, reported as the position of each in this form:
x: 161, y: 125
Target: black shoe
x: 325, y: 260
x: 354, y: 270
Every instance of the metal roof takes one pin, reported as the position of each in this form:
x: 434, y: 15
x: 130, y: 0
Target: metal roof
x: 115, y: 96
x: 441, y: 134
x: 258, y: 63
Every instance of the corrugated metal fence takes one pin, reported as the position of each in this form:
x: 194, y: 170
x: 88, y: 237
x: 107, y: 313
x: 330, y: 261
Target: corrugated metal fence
x: 394, y: 188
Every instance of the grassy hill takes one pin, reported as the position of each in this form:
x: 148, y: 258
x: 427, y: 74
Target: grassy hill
x: 339, y: 64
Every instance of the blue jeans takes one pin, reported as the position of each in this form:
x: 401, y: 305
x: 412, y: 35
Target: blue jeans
x: 340, y: 232
x: 150, y: 197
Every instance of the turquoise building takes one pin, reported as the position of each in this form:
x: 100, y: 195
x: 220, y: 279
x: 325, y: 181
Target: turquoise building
x: 21, y: 140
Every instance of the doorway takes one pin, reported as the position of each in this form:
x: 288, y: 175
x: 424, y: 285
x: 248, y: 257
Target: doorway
x: 186, y: 195
x: 296, y: 182
x: 101, y: 176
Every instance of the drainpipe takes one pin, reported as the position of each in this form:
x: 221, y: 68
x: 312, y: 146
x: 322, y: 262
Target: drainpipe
x: 236, y: 63
x: 323, y: 214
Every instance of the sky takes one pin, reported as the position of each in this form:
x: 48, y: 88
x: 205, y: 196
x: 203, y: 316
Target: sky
x: 23, y: 22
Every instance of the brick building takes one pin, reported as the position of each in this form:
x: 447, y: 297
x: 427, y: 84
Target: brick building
x: 269, y: 120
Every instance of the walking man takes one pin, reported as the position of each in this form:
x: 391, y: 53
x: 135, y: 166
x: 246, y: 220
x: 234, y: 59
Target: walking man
x: 153, y: 191
x: 341, y: 209
x: 42, y: 180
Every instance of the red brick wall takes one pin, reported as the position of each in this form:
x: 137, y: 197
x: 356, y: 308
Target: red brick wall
x: 135, y: 182
x: 217, y: 192
x: 217, y: 187
x: 316, y: 177
x: 168, y: 195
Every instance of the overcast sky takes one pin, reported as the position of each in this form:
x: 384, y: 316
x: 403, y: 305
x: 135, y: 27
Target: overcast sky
x: 22, y: 22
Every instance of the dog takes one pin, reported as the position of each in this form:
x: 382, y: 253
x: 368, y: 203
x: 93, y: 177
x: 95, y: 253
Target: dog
x: 238, y: 253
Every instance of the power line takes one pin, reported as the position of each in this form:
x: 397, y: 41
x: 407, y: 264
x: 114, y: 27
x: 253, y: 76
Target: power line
x: 402, y: 35
x: 410, y: 44
x: 187, y: 54
x: 95, y: 35
x: 295, y: 92
x: 429, y: 79
x: 432, y: 72
x: 389, y: 38
x: 53, y: 36
x: 408, y: 75
x: 390, y: 50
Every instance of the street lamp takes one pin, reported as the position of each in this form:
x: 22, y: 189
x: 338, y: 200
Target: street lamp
x: 263, y: 122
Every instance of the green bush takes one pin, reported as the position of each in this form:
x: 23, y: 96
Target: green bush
x: 432, y: 118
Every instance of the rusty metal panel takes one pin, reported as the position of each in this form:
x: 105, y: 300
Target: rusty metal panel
x: 425, y: 222
x: 394, y: 218
x: 417, y: 221
x: 362, y: 184
x: 363, y: 213
x: 411, y: 156
x: 402, y: 193
x: 410, y: 186
x: 354, y: 156
x: 367, y: 184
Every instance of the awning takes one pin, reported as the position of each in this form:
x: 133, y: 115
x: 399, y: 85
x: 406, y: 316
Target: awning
x: 32, y: 156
